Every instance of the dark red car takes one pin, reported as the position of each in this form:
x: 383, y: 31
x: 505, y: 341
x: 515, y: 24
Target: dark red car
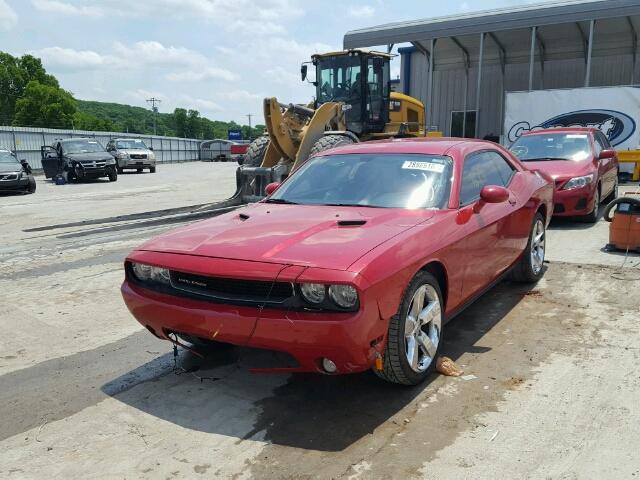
x: 581, y: 162
x: 356, y: 261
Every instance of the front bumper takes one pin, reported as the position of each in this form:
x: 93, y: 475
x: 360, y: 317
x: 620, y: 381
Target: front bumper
x: 351, y: 340
x: 14, y: 184
x: 136, y: 163
x: 578, y: 201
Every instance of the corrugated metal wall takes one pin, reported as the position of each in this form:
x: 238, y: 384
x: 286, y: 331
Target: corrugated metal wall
x: 27, y: 142
x: 449, y: 84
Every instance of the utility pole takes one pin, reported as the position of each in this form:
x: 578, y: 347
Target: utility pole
x: 152, y: 101
x: 249, y: 115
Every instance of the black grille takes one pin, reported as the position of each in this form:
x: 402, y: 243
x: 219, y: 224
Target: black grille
x: 232, y: 288
x: 138, y: 156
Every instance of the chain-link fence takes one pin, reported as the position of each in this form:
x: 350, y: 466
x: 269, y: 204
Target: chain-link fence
x: 26, y: 142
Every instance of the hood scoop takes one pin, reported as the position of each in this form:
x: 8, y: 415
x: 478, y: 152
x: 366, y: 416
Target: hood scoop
x: 351, y: 223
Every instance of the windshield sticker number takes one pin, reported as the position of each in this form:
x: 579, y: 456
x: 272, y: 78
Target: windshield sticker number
x: 426, y: 166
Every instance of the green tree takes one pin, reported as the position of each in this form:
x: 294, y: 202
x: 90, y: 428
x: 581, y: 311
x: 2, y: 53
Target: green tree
x: 15, y: 74
x: 180, y: 122
x: 44, y: 106
x: 194, y: 124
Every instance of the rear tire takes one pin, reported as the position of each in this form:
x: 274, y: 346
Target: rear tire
x: 530, y: 268
x: 422, y: 300
x: 330, y: 141
x: 256, y: 151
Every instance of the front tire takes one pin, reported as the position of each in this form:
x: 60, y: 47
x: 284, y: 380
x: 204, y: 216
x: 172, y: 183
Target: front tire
x: 31, y: 188
x: 415, y: 333
x: 530, y: 268
x: 330, y: 141
x: 152, y: 169
x: 256, y: 151
x: 593, y: 216
x: 113, y: 175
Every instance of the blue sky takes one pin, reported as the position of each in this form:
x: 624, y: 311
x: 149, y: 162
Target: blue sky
x: 220, y: 57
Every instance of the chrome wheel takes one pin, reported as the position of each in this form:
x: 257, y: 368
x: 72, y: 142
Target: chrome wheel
x: 423, y: 325
x: 537, y: 246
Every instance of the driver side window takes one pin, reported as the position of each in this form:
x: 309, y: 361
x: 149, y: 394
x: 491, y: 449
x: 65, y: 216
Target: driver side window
x: 482, y: 169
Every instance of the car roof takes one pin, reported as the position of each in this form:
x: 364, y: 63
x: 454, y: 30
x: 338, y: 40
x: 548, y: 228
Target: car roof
x: 552, y: 130
x: 64, y: 140
x: 126, y: 138
x: 419, y: 145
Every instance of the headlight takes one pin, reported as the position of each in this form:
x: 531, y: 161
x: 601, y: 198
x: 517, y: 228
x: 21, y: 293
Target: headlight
x: 111, y: 161
x: 151, y: 155
x: 121, y: 155
x: 345, y: 296
x: 578, y: 182
x: 313, y: 292
x: 149, y: 274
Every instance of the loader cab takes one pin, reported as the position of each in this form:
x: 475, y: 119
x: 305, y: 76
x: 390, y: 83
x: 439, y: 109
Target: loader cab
x: 360, y: 80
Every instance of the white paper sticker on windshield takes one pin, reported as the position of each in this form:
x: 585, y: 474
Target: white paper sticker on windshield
x: 576, y: 135
x: 427, y: 166
x: 90, y: 141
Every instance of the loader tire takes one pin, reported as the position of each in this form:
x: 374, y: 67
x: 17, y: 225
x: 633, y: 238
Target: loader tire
x: 330, y: 141
x: 255, y: 152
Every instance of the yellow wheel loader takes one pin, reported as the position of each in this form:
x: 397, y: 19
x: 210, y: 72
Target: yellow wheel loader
x: 353, y: 103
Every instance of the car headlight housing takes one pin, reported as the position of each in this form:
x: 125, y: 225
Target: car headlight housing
x: 344, y: 296
x: 150, y: 274
x: 111, y: 161
x: 151, y: 156
x: 578, y: 182
x: 330, y: 297
x: 313, y: 292
x: 121, y: 155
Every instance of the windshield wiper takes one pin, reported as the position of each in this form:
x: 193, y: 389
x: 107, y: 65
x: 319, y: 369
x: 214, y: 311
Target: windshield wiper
x: 544, y: 159
x: 280, y: 200
x: 352, y: 205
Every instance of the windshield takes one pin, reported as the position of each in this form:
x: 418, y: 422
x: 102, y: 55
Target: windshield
x: 133, y: 144
x: 82, y: 146
x: 6, y: 157
x: 339, y: 79
x: 370, y: 180
x: 552, y: 146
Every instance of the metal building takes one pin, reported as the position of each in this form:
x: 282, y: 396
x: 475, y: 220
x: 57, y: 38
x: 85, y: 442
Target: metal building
x: 460, y: 66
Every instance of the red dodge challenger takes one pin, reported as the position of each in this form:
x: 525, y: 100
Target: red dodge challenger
x: 356, y: 261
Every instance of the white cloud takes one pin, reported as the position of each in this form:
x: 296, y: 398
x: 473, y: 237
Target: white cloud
x: 65, y: 8
x: 209, y: 73
x: 8, y: 17
x: 198, y: 103
x: 361, y: 11
x: 240, y: 95
x: 145, y: 54
x: 70, y: 60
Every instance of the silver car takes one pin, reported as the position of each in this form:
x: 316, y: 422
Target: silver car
x: 132, y: 153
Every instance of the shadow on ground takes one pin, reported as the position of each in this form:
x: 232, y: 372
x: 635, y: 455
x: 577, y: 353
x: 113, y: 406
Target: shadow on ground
x: 308, y: 411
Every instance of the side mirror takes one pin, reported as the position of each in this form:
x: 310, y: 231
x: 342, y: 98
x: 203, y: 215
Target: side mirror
x: 491, y: 194
x: 607, y: 153
x: 272, y: 187
x: 303, y: 72
x: 151, y: 148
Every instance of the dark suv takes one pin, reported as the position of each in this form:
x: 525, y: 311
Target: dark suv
x: 15, y: 176
x: 78, y: 159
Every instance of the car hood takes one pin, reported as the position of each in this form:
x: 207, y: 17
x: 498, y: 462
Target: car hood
x: 562, y: 169
x: 308, y: 235
x: 135, y: 151
x: 10, y: 167
x: 89, y: 156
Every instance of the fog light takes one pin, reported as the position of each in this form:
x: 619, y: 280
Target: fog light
x: 329, y: 366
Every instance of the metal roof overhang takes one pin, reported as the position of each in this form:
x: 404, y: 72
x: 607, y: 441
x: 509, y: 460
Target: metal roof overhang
x: 562, y: 31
